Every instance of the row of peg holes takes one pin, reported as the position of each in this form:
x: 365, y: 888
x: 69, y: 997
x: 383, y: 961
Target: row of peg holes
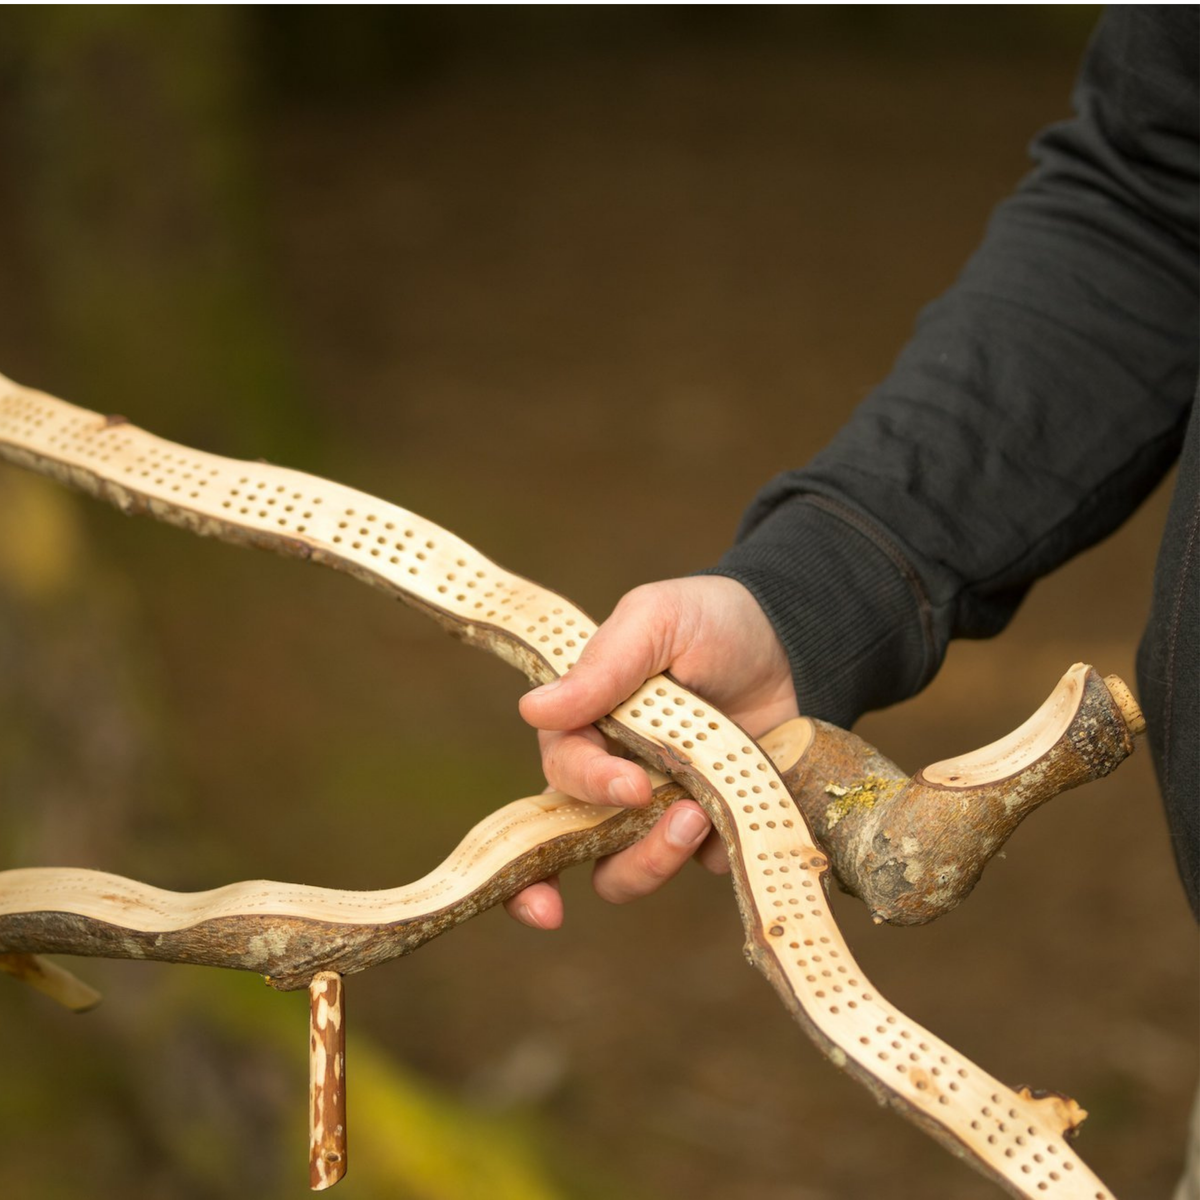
x: 819, y: 967
x: 660, y: 706
x: 19, y: 409
x: 80, y: 436
x: 816, y: 959
x: 828, y: 980
x: 401, y: 544
x: 357, y: 530
x: 75, y: 435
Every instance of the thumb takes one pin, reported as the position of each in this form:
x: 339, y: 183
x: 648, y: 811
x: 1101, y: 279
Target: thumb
x: 636, y: 642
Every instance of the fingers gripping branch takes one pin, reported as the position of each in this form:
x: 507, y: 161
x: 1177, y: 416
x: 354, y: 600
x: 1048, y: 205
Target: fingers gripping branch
x: 707, y: 631
x: 633, y: 645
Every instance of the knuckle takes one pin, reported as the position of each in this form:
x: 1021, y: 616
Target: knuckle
x: 551, y: 748
x: 595, y: 775
x: 633, y: 873
x: 649, y: 602
x: 653, y: 862
x: 657, y: 865
x: 574, y: 763
x: 713, y: 856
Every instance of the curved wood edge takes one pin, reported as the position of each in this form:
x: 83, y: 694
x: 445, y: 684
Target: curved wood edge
x: 120, y: 463
x: 289, y: 933
x: 912, y: 850
x: 287, y: 948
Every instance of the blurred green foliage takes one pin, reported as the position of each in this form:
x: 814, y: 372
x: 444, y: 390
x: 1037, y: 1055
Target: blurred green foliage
x: 141, y: 210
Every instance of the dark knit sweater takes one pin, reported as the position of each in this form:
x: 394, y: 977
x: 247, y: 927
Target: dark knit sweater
x: 1037, y: 404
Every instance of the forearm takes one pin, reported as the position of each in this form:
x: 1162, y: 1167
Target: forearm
x: 1036, y: 405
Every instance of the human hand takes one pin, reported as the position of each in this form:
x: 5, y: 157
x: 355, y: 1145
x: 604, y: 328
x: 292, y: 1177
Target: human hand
x: 710, y: 633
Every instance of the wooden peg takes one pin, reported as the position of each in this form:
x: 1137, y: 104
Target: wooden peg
x: 326, y: 1081
x: 55, y: 981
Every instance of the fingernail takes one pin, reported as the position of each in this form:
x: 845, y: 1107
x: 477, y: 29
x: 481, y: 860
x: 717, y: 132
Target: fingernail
x: 526, y: 915
x: 546, y: 688
x: 623, y: 791
x: 686, y: 827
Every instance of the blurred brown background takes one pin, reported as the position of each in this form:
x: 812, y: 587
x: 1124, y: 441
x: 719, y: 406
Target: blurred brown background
x: 573, y: 283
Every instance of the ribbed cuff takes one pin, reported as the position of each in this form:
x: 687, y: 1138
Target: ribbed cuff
x: 849, y: 610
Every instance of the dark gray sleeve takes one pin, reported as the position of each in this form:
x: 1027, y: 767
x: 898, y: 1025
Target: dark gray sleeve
x: 1037, y: 404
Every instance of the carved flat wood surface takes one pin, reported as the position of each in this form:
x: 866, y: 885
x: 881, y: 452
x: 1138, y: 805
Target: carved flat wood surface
x: 289, y: 932
x: 779, y: 872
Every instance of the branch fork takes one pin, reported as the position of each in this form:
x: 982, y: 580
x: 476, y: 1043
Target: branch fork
x: 810, y: 799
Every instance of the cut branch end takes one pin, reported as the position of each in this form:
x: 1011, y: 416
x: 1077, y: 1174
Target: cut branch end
x: 1135, y: 721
